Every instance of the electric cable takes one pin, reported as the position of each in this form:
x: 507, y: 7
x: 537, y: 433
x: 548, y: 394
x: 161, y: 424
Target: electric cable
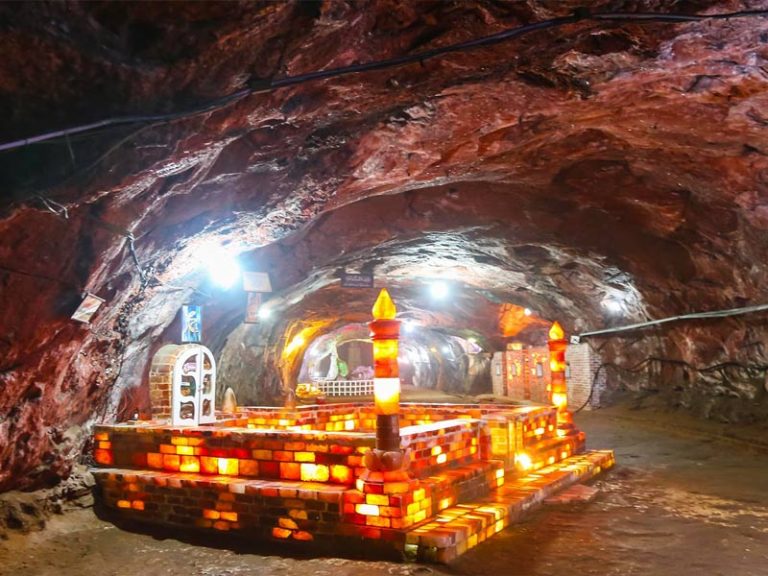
x: 269, y: 85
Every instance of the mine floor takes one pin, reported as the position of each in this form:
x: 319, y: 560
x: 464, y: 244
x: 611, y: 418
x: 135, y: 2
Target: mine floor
x: 682, y: 500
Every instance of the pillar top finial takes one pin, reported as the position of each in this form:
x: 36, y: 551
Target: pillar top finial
x: 556, y: 332
x: 384, y: 308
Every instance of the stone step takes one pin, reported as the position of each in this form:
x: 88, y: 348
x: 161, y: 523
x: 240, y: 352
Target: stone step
x: 459, y: 528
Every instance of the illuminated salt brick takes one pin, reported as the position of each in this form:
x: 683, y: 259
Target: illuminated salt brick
x: 396, y: 487
x: 303, y: 535
x: 229, y: 516
x: 123, y: 504
x: 437, y: 450
x: 103, y: 457
x: 189, y: 464
x: 171, y: 462
x: 101, y: 436
x: 377, y: 521
x: 283, y: 456
x: 290, y: 470
x: 390, y: 511
x: 269, y: 469
x: 419, y: 494
x: 336, y: 449
x: 367, y: 509
x: 297, y: 514
x: 221, y: 525
x: 349, y: 425
x: 179, y: 441
x: 304, y: 456
x: 249, y: 468
x: 240, y: 453
x: 211, y: 514
x: 317, y: 448
x: 287, y: 523
x: 341, y: 474
x: 412, y: 508
x: 378, y: 499
x: 209, y: 465
x: 167, y: 449
x: 137, y: 505
x: 354, y: 497
x: 132, y: 487
x: 281, y: 533
x: 442, y: 458
x: 315, y: 473
x: 229, y: 466
x: 185, y: 450
x: 262, y: 454
x: 105, y: 445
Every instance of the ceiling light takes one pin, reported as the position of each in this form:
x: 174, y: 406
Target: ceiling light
x: 222, y: 266
x: 527, y: 312
x: 439, y: 290
x: 613, y: 306
x: 265, y: 313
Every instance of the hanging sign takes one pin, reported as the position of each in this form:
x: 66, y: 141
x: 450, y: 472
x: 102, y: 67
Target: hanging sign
x: 256, y: 282
x: 349, y: 280
x: 191, y: 323
x: 252, y: 308
x: 88, y: 307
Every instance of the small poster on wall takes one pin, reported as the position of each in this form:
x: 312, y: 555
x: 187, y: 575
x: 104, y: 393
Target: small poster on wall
x: 191, y: 323
x: 256, y: 282
x: 88, y: 307
x: 252, y: 308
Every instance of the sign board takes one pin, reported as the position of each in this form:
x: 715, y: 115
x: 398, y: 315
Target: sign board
x: 88, y: 307
x: 252, y: 308
x: 256, y: 282
x: 191, y: 323
x: 357, y: 280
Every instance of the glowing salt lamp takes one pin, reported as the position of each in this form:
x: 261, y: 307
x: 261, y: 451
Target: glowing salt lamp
x: 385, y: 331
x: 557, y: 345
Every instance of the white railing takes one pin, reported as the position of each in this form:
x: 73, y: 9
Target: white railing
x: 345, y: 387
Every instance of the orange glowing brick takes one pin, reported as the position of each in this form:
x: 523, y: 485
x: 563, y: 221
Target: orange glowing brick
x: 209, y: 465
x: 180, y: 441
x: 189, y: 464
x: 298, y: 514
x: 287, y: 523
x: 101, y: 436
x: 171, y: 462
x: 304, y: 456
x: 229, y: 466
x: 281, y: 533
x: 221, y: 525
x: 154, y: 460
x: 211, y: 514
x: 283, y: 456
x: 341, y: 474
x: 378, y: 521
x: 396, y: 487
x: 103, y: 456
x: 123, y: 504
x: 105, y: 445
x: 314, y: 473
x: 262, y: 454
x: 367, y: 509
x: 229, y: 516
x: 137, y: 505
x: 303, y: 535
x: 249, y: 468
x: 167, y: 449
x: 290, y: 470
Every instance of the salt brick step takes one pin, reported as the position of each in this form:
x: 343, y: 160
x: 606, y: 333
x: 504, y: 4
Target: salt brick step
x: 459, y: 528
x: 269, y: 488
x: 576, y: 494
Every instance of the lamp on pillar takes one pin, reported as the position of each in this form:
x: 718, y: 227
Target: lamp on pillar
x: 558, y: 392
x: 385, y: 332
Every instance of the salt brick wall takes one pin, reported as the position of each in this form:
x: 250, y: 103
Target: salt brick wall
x: 583, y: 363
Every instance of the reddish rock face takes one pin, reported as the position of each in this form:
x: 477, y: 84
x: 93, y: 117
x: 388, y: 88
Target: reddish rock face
x: 576, y: 168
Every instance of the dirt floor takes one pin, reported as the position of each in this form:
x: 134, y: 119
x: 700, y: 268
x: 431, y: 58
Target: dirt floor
x: 683, y: 500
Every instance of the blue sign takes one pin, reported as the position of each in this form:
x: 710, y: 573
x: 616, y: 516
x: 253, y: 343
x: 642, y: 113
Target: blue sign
x: 191, y: 323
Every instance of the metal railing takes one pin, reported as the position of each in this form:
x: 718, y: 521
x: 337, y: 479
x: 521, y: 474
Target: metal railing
x: 345, y: 387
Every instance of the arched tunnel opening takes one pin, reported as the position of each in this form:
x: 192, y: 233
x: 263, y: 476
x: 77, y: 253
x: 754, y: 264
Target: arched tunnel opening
x: 372, y: 279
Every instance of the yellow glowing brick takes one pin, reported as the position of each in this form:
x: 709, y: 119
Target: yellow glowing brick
x: 419, y: 494
x: 378, y: 499
x: 123, y: 504
x: 445, y: 503
x: 304, y: 457
x: 179, y: 441
x: 539, y: 431
x: 420, y: 516
x: 442, y: 458
x: 349, y: 425
x: 189, y: 464
x: 500, y: 473
x: 185, y: 450
x: 396, y: 487
x: 437, y: 450
x: 315, y: 473
x: 378, y: 521
x: 229, y: 466
x: 360, y: 485
x: 412, y: 508
x: 229, y: 516
x: 472, y: 541
x: 367, y: 509
x: 211, y: 514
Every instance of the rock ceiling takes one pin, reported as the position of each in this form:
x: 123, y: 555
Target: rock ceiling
x: 590, y: 161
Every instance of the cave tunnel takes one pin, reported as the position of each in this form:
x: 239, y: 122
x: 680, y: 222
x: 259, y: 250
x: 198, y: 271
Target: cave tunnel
x: 495, y: 166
